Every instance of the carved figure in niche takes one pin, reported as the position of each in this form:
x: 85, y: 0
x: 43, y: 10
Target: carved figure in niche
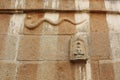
x: 78, y: 48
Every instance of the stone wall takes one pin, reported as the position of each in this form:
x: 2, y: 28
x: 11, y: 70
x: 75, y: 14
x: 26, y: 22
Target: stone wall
x: 42, y: 52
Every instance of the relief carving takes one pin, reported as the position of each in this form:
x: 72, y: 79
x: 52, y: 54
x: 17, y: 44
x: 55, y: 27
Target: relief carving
x: 78, y: 47
x: 31, y: 25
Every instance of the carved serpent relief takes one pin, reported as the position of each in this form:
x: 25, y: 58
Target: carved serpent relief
x: 30, y: 25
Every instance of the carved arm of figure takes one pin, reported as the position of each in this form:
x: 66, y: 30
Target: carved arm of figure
x: 31, y: 25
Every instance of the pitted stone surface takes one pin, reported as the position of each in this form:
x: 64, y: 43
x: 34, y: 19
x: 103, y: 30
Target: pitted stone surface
x: 42, y: 53
x: 43, y: 48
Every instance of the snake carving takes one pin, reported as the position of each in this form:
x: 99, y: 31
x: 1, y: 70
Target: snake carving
x: 30, y: 25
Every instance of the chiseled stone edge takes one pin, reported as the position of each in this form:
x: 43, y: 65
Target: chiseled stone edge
x: 78, y: 5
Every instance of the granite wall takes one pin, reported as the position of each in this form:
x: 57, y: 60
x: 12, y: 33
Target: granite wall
x: 42, y: 52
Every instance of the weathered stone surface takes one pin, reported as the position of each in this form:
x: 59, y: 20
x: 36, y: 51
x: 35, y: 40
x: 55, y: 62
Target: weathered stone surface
x: 113, y: 23
x: 115, y: 45
x: 29, y: 47
x: 112, y: 5
x: 99, y: 45
x: 45, y: 70
x: 16, y: 24
x: 95, y: 70
x: 82, y: 4
x: 65, y: 4
x: 117, y: 70
x: 58, y: 4
x: 4, y: 23
x: 43, y: 52
x: 66, y: 27
x: 95, y: 6
x: 79, y: 70
x: 27, y: 71
x: 8, y: 47
x: 34, y: 4
x: 98, y: 23
x: 85, y: 26
x: 5, y: 4
x: 43, y: 48
x: 12, y: 4
x: 106, y: 70
x: 7, y: 70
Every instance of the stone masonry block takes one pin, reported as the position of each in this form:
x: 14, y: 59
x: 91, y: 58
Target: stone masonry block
x: 99, y: 45
x: 45, y: 70
x: 5, y: 4
x: 49, y: 4
x: 65, y: 4
x: 115, y: 45
x: 8, y: 47
x: 29, y: 47
x: 106, y: 70
x: 98, y: 23
x: 43, y: 48
x: 95, y: 6
x: 117, y: 70
x: 7, y: 70
x: 34, y: 4
x: 95, y: 70
x: 11, y: 4
x: 4, y: 23
x: 67, y: 27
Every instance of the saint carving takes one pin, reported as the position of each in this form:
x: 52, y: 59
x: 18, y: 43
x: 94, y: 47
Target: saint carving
x: 78, y: 48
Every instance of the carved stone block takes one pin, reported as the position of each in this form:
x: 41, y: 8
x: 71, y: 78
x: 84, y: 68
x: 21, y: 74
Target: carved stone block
x: 79, y: 47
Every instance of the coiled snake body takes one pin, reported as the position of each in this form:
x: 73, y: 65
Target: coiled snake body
x: 31, y: 25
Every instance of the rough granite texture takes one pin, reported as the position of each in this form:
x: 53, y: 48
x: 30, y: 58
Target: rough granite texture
x: 43, y: 53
